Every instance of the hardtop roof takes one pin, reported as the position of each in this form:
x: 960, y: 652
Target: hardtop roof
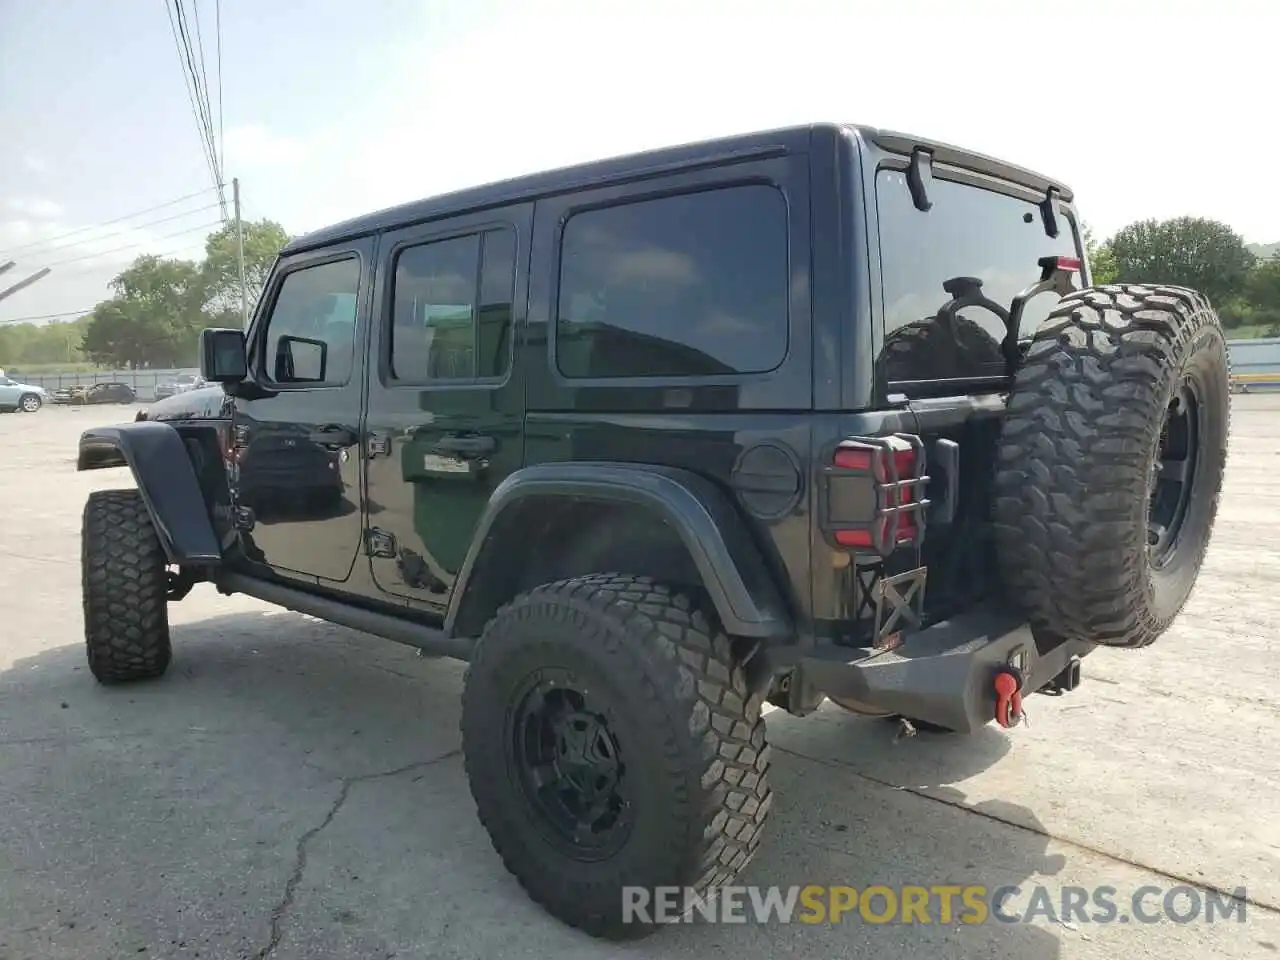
x: 776, y: 142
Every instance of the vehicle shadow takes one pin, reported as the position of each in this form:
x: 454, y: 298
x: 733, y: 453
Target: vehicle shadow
x: 286, y: 767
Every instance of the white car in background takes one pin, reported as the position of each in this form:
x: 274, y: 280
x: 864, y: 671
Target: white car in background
x: 15, y: 395
x: 180, y: 384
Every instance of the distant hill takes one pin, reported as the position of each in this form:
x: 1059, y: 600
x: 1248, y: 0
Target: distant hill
x: 1264, y: 251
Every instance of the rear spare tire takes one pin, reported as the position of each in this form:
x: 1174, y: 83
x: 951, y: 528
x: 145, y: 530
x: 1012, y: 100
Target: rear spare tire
x: 611, y: 742
x: 125, y: 586
x: 1110, y: 463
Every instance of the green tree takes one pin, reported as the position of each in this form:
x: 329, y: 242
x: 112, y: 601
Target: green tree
x: 1189, y: 251
x: 1263, y: 293
x: 154, y: 317
x: 1102, y: 261
x: 23, y: 343
x: 1264, y: 284
x: 263, y: 240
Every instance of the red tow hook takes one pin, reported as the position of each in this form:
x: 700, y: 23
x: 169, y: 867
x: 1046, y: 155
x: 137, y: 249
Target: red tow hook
x: 1008, y: 685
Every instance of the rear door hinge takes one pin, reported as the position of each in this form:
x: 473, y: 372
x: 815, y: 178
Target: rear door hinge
x: 379, y: 543
x: 379, y: 445
x: 242, y: 518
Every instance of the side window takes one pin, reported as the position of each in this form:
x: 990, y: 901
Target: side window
x: 311, y: 333
x: 681, y: 286
x: 945, y: 269
x: 452, y: 307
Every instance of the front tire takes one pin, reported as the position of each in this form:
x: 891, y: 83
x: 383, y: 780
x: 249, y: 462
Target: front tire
x: 1111, y: 463
x: 30, y: 402
x: 618, y: 702
x: 125, y: 587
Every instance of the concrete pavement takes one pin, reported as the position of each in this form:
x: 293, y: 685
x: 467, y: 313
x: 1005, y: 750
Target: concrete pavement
x: 294, y: 790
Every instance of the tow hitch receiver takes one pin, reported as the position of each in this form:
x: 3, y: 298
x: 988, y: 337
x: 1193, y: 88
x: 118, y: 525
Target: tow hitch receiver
x: 1066, y: 681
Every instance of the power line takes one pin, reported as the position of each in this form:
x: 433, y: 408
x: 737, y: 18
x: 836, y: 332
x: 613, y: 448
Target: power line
x: 204, y: 72
x: 83, y: 271
x: 171, y: 253
x: 134, y: 246
x: 208, y: 109
x: 106, y: 223
x: 53, y: 316
x: 127, y: 230
x: 198, y: 81
x: 195, y: 92
x: 222, y: 140
x: 199, y: 76
x: 190, y: 83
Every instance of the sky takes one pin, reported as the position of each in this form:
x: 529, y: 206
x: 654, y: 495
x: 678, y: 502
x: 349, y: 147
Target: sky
x: 331, y: 108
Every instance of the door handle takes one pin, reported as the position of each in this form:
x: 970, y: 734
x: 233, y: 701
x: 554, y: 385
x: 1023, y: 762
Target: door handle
x: 467, y: 446
x: 332, y: 436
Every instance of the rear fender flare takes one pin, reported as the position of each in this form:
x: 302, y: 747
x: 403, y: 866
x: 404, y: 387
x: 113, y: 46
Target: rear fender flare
x: 730, y: 565
x: 156, y: 455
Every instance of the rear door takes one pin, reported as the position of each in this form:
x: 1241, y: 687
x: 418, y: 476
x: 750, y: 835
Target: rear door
x: 670, y: 323
x: 297, y: 421
x: 446, y: 402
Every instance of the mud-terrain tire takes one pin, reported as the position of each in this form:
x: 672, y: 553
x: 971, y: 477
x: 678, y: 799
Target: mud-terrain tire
x: 656, y: 679
x: 1089, y: 437
x: 930, y: 349
x: 124, y: 583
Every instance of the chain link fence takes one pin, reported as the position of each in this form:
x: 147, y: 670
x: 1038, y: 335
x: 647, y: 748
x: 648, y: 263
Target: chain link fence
x: 143, y: 382
x: 1255, y: 363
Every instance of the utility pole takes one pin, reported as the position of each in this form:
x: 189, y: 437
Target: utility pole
x: 22, y: 284
x: 244, y: 296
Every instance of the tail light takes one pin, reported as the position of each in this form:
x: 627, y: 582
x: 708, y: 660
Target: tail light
x: 1068, y: 264
x: 227, y: 446
x: 874, y: 493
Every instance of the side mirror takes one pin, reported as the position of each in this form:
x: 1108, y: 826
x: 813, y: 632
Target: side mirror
x: 301, y: 360
x: 222, y: 355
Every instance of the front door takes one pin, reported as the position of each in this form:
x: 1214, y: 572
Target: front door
x: 297, y: 419
x: 446, y: 401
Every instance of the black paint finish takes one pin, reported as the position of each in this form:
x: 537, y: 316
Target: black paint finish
x: 163, y: 471
x: 427, y: 499
x: 712, y: 531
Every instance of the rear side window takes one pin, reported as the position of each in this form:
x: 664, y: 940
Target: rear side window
x: 680, y: 286
x: 969, y: 234
x: 452, y: 307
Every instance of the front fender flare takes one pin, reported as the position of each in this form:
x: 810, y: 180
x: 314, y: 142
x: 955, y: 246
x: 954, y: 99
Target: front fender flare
x: 731, y: 566
x: 162, y: 470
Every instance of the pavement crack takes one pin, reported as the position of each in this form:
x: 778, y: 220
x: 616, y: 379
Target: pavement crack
x: 925, y: 794
x: 281, y: 911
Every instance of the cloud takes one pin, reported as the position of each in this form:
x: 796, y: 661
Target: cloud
x: 38, y: 208
x: 35, y: 163
x: 253, y: 145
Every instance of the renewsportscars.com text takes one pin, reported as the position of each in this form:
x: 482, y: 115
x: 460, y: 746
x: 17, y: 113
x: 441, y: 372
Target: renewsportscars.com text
x: 941, y: 903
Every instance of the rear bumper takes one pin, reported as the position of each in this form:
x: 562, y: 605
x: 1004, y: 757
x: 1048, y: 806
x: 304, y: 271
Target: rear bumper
x: 944, y: 674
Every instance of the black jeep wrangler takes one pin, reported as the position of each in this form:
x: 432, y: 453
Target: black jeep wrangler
x: 823, y: 412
